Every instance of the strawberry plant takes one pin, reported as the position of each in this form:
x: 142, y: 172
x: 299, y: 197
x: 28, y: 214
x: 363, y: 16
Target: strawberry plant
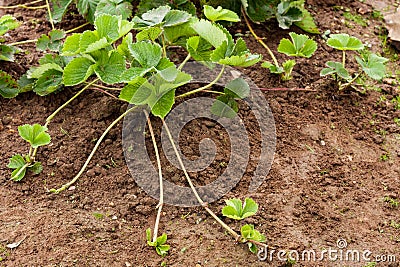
x: 109, y: 54
x: 36, y: 135
x: 300, y: 45
x: 370, y: 64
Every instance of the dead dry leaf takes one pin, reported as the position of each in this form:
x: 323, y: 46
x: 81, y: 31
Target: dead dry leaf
x: 393, y: 26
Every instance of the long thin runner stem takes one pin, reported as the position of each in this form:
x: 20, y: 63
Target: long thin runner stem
x: 67, y: 185
x: 21, y: 5
x: 161, y: 202
x: 50, y: 14
x: 206, y: 86
x: 202, y: 203
x: 48, y: 120
x: 259, y: 39
x: 77, y: 28
x: 24, y: 42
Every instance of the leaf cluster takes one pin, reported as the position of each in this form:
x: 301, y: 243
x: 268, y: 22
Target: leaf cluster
x: 370, y: 64
x: 237, y: 210
x: 160, y: 243
x: 36, y: 135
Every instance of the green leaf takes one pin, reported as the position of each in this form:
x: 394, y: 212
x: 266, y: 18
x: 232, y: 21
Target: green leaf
x: 301, y: 45
x: 373, y: 66
x: 235, y: 209
x: 260, y: 10
x: 175, y: 18
x: 133, y: 72
x: 225, y: 106
x: 164, y: 104
x: 114, y: 7
x: 49, y: 81
x: 199, y: 49
x: 148, y: 234
x: 37, y: 72
x: 8, y: 23
x: 237, y: 88
x: 220, y: 14
x: 8, y: 86
x: 107, y: 26
x: 151, y: 34
x: 272, y: 68
x: 77, y: 71
x: 287, y: 14
x: 210, y: 32
x: 129, y: 91
x: 87, y: 8
x: 147, y: 54
x: 161, y: 240
x: 174, y: 34
x: 58, y: 9
x: 249, y: 233
x: 98, y: 45
x: 71, y: 45
x: 36, y: 168
x: 252, y: 247
x: 344, y: 41
x: 245, y: 60
x: 7, y: 52
x: 287, y: 68
x: 18, y: 163
x: 307, y: 23
x: 52, y: 42
x: 25, y: 84
x: 34, y: 134
x: 110, y: 68
x: 87, y: 38
x: 336, y: 68
x: 151, y: 18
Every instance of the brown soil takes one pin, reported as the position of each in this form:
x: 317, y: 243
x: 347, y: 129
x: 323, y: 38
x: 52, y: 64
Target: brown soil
x: 328, y: 180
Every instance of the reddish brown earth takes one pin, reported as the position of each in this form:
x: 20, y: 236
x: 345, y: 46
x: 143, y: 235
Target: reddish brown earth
x: 328, y: 180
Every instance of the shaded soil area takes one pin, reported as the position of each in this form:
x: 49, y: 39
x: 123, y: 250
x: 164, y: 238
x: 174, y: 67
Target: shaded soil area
x: 335, y: 174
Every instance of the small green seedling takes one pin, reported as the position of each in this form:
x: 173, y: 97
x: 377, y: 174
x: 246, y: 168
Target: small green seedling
x: 234, y: 208
x: 394, y: 203
x: 250, y: 234
x: 159, y: 244
x: 371, y: 64
x: 300, y: 45
x: 36, y: 136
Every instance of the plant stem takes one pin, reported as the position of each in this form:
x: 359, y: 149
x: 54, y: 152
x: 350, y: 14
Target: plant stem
x: 164, y: 49
x: 106, y: 93
x: 77, y: 28
x: 206, y: 86
x: 214, y: 92
x: 50, y: 15
x: 259, y: 39
x: 344, y: 59
x: 48, y: 120
x: 30, y: 153
x: 67, y: 185
x: 202, y: 203
x: 22, y: 169
x: 184, y: 62
x: 21, y: 5
x: 24, y: 42
x: 344, y: 86
x: 161, y: 202
x: 105, y: 87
